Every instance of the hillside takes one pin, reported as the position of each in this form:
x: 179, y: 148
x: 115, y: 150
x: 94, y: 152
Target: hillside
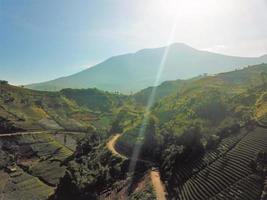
x: 204, y: 129
x: 74, y: 110
x: 209, y: 102
x: 204, y: 137
x: 242, y: 78
x: 39, y: 132
x: 132, y: 72
x: 163, y: 90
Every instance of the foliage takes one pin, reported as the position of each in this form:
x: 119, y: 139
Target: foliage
x: 6, y: 159
x: 6, y: 126
x: 94, y: 99
x: 91, y: 170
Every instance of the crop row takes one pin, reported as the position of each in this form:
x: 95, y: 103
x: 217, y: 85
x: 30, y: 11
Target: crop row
x: 226, y: 171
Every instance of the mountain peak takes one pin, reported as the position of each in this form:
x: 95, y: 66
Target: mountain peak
x: 181, y: 46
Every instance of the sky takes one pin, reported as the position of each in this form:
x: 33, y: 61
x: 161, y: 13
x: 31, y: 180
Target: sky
x: 42, y: 40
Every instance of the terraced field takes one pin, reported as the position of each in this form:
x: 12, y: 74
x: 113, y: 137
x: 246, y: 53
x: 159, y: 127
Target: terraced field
x: 37, y: 166
x: 225, y: 173
x: 20, y: 185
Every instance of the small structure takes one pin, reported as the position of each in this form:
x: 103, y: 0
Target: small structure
x: 11, y: 169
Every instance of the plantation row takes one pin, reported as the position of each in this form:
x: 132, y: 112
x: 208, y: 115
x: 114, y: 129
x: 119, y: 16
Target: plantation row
x: 247, y: 188
x: 186, y: 171
x: 231, y: 172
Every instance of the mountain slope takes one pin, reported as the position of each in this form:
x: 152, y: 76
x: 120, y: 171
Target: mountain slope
x: 133, y: 72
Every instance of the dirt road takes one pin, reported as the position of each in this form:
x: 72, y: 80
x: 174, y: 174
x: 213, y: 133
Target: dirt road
x: 111, y: 145
x: 158, y: 186
x: 21, y: 133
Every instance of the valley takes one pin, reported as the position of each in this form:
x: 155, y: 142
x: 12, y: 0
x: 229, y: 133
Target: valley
x: 133, y: 100
x: 203, y: 138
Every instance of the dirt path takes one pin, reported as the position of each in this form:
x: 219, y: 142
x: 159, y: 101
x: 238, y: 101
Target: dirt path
x: 111, y: 145
x: 21, y: 133
x: 158, y: 186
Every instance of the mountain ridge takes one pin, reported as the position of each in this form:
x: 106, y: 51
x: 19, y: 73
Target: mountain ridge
x: 135, y: 71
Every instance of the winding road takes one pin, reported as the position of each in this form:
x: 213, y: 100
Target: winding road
x: 157, y: 184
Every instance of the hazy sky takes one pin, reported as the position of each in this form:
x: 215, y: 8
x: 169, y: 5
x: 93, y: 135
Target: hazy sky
x: 45, y: 39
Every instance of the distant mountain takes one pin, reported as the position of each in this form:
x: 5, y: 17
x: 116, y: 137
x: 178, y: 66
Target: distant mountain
x: 132, y: 72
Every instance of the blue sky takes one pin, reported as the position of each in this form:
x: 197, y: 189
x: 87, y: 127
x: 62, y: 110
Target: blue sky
x: 41, y: 40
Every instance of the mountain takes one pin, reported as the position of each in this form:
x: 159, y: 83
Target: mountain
x: 133, y: 72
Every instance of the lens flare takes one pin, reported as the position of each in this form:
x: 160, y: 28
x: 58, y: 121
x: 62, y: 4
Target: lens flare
x: 151, y: 100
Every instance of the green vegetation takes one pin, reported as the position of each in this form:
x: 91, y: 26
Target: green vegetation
x: 31, y: 166
x: 261, y: 109
x: 6, y: 126
x: 196, y: 119
x: 20, y: 185
x: 94, y: 99
x: 92, y: 170
x: 197, y: 130
x: 75, y: 110
x: 163, y: 90
x: 229, y: 176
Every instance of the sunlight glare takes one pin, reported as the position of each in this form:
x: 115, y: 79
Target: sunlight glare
x: 151, y: 99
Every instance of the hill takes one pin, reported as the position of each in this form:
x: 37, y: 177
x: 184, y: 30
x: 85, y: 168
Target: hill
x: 205, y: 137
x: 132, y: 72
x: 39, y: 132
x: 243, y: 78
x: 75, y: 110
x: 210, y: 102
x: 205, y: 140
x: 202, y: 130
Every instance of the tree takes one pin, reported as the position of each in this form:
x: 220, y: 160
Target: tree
x: 149, y: 145
x: 116, y: 127
x: 3, y: 82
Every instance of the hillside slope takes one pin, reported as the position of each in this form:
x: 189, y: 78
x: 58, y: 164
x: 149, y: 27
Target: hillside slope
x: 243, y: 78
x: 75, y: 110
x: 133, y: 72
x: 198, y: 132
